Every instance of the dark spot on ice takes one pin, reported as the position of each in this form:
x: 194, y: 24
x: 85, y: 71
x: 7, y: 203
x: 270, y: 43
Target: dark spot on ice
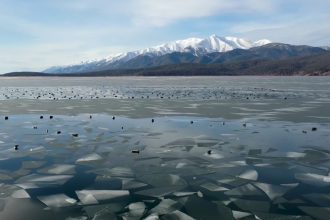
x: 16, y: 147
x: 135, y: 151
x: 59, y: 132
x: 314, y: 129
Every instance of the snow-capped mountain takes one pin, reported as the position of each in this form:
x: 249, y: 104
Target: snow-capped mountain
x: 196, y: 46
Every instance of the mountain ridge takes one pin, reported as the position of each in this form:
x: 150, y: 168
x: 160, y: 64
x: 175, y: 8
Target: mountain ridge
x: 272, y: 51
x: 196, y: 46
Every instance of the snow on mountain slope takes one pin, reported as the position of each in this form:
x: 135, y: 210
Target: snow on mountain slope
x: 198, y: 46
x: 260, y: 43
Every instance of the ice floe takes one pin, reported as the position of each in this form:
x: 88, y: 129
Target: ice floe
x: 90, y: 197
x: 57, y: 201
x: 273, y: 191
x: 89, y: 158
x: 313, y: 179
x: 59, y: 169
x: 20, y: 194
x: 249, y: 175
x: 166, y: 206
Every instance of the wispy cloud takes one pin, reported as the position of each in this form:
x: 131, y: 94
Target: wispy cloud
x: 156, y: 13
x: 304, y: 30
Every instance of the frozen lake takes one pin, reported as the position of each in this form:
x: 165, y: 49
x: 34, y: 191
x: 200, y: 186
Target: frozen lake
x: 165, y: 148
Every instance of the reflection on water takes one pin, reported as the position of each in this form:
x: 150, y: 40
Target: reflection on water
x: 211, y: 153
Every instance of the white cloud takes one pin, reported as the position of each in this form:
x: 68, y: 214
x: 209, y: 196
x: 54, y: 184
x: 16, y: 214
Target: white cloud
x: 289, y: 29
x: 158, y: 13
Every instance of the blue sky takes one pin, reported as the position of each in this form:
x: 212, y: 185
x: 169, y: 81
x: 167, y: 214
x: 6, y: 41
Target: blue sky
x: 37, y: 34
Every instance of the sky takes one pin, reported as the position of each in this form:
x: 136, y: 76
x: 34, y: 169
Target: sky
x: 38, y: 34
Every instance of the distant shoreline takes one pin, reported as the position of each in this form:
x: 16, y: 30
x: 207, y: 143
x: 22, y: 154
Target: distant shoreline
x: 89, y: 75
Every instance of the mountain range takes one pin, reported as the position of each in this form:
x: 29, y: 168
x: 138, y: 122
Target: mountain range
x: 195, y: 47
x: 210, y: 56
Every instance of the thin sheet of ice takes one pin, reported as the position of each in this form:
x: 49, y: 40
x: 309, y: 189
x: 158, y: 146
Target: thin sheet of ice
x: 57, y: 201
x: 177, y: 215
x: 313, y: 179
x: 90, y: 197
x: 89, y: 158
x: 166, y: 206
x: 213, y: 187
x: 273, y: 191
x: 20, y: 194
x: 135, y: 211
x: 44, y: 179
x: 249, y: 175
x: 245, y: 190
x: 60, y: 169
